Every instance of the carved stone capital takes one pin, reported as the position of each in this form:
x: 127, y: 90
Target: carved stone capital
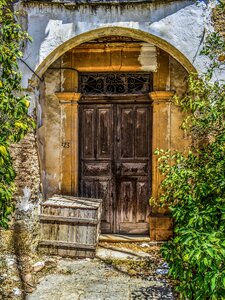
x: 161, y: 96
x: 68, y: 97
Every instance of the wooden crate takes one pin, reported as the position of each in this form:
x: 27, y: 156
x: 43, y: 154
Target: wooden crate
x: 70, y: 226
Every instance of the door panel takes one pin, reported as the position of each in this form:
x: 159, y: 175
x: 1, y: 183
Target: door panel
x: 142, y: 205
x: 100, y: 188
x: 127, y: 193
x: 96, y: 169
x: 105, y: 193
x: 142, y: 133
x: 115, y: 163
x: 96, y: 157
x: 88, y: 125
x: 126, y: 141
x: 104, y: 134
x: 133, y: 168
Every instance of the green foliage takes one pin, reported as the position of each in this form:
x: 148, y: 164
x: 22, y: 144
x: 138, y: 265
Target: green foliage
x: 196, y: 259
x: 13, y: 103
x: 214, y: 48
x: 194, y: 189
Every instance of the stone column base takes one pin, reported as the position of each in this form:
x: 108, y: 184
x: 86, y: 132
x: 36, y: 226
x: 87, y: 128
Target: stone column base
x: 161, y: 227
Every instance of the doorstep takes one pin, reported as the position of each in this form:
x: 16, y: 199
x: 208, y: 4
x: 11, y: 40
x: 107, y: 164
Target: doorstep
x: 118, y: 238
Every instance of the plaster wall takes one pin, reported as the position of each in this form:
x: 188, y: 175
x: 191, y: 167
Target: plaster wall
x: 49, y: 132
x: 180, y: 23
x: 26, y: 164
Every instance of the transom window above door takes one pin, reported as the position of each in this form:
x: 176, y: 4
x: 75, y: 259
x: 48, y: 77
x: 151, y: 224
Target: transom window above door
x: 115, y: 83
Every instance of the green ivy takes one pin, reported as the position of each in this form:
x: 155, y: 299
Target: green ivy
x: 14, y: 119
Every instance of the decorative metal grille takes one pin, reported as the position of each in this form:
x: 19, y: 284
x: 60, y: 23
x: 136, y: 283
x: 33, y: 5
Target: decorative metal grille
x: 115, y: 83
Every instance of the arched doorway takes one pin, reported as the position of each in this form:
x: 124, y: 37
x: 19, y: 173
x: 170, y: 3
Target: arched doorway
x: 114, y: 78
x: 103, y: 141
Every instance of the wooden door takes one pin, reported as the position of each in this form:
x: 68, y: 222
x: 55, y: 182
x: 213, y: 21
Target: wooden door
x: 132, y: 156
x: 115, y: 160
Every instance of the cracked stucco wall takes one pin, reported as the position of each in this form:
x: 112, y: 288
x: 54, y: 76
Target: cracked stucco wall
x: 180, y: 23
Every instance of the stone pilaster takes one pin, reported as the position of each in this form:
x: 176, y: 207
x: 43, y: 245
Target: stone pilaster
x: 69, y: 142
x: 160, y: 223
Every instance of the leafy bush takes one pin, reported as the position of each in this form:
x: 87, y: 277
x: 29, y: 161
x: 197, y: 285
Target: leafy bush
x: 196, y: 259
x: 13, y: 104
x: 194, y: 189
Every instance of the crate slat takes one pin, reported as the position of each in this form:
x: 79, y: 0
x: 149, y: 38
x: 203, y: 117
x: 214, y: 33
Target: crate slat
x: 68, y: 220
x: 68, y: 245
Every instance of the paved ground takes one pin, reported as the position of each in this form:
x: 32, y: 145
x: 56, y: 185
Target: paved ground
x: 113, y: 275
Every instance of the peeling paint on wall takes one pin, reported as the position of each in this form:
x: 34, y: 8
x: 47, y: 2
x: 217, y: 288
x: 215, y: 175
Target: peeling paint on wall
x: 180, y: 23
x: 148, y: 57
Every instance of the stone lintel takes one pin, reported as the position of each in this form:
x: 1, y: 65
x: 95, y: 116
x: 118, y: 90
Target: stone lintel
x: 68, y: 97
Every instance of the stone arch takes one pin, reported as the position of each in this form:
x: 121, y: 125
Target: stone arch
x: 163, y: 116
x: 116, y: 31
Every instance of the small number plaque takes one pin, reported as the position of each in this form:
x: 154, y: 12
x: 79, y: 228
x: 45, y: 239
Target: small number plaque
x: 66, y: 144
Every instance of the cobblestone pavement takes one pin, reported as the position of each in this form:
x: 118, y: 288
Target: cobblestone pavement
x: 97, y: 279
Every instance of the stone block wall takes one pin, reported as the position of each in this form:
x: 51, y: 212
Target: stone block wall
x: 24, y: 223
x: 26, y: 163
x: 18, y: 244
x: 219, y: 20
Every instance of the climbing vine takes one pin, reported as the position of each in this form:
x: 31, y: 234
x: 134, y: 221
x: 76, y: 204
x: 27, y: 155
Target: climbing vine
x: 194, y: 185
x: 14, y: 104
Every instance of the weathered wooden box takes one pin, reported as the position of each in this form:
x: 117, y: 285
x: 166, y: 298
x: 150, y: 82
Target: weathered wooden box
x: 70, y: 226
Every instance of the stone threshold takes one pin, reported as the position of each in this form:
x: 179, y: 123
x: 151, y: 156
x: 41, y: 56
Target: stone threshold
x: 118, y: 238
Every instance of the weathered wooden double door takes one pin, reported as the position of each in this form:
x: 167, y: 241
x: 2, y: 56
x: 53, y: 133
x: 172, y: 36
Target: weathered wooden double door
x: 115, y: 159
